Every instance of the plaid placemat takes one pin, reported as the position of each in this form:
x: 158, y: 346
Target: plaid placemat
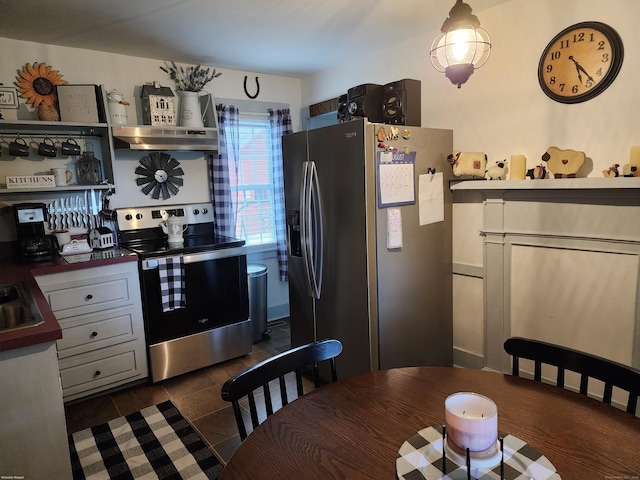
x: 172, y: 289
x: 420, y: 458
x: 153, y: 443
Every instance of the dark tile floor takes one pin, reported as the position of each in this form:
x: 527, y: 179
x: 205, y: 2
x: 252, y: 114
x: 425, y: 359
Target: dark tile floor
x: 195, y: 394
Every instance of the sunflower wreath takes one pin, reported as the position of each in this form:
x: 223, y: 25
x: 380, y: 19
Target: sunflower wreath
x: 37, y: 83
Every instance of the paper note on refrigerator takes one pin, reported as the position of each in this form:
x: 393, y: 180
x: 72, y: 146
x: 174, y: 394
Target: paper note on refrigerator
x: 394, y: 228
x: 431, y: 198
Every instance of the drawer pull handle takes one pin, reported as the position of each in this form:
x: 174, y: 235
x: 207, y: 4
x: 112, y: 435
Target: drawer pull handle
x: 88, y: 297
x: 97, y: 373
x: 94, y: 334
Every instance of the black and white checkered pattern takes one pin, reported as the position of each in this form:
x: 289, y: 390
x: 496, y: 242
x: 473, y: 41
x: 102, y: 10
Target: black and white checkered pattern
x: 172, y: 288
x: 220, y: 167
x: 420, y: 458
x: 156, y: 442
x: 280, y: 122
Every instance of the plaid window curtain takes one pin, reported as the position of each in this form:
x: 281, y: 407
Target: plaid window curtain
x: 223, y: 169
x: 280, y: 121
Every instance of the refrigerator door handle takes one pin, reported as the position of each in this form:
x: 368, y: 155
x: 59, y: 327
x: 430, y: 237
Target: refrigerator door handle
x: 318, y: 231
x: 305, y: 226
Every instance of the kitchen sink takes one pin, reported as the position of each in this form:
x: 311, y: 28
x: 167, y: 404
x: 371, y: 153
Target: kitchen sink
x: 17, y: 308
x: 8, y: 293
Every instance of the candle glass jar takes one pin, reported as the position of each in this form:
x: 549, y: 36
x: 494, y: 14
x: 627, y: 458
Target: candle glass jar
x: 472, y: 421
x: 88, y: 169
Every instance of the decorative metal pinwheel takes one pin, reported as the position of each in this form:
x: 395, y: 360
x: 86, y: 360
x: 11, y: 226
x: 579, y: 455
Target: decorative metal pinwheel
x: 160, y: 175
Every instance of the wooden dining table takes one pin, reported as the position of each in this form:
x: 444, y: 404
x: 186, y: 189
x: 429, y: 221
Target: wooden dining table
x: 354, y: 428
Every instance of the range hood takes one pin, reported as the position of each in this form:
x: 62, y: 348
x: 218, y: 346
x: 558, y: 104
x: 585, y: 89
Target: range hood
x: 149, y: 137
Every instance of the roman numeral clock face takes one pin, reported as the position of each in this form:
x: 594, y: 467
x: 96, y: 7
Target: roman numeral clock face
x: 580, y: 62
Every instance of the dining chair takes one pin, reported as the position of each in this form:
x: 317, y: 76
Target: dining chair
x: 613, y: 374
x: 295, y: 360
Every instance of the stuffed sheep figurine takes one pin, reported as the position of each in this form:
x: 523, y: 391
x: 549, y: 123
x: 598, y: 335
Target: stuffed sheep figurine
x: 563, y: 163
x: 537, y: 173
x: 498, y: 171
x: 629, y: 170
x: 468, y: 163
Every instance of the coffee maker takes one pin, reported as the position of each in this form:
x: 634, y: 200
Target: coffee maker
x: 33, y: 244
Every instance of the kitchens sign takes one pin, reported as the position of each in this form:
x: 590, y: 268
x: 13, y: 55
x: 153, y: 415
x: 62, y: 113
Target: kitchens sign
x: 31, y: 181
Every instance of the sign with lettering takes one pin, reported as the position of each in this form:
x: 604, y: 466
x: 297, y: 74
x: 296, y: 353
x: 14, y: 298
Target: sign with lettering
x: 8, y: 97
x: 30, y: 181
x: 78, y: 103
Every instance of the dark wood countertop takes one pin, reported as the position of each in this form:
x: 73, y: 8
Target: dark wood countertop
x: 12, y: 270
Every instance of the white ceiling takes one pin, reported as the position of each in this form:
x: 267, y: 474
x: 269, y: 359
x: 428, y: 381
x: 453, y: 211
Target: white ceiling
x: 283, y: 37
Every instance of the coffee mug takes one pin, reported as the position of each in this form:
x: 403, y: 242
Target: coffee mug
x: 47, y: 148
x: 19, y: 147
x: 70, y: 147
x: 62, y: 176
x: 63, y: 237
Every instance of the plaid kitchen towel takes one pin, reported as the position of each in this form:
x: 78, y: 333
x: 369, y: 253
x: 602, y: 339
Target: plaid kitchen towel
x: 171, y: 271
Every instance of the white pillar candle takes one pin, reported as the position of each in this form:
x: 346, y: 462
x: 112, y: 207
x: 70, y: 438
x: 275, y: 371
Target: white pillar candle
x: 472, y: 421
x: 518, y: 167
x: 634, y: 159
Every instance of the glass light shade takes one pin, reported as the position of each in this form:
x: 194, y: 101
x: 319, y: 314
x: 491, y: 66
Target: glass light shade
x: 459, y: 51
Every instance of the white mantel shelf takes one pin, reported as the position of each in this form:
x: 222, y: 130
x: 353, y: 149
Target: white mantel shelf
x: 591, y: 183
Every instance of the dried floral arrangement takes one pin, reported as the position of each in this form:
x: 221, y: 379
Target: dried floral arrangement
x: 190, y: 79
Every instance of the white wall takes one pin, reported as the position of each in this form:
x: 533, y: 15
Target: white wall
x: 502, y: 111
x: 126, y: 74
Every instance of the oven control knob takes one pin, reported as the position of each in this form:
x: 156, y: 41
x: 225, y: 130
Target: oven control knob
x: 196, y: 211
x: 138, y: 216
x: 128, y: 217
x: 205, y: 211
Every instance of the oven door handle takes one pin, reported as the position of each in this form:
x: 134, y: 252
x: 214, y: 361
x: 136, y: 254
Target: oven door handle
x: 152, y: 263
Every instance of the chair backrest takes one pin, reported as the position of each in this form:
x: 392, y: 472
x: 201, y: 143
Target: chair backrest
x: 585, y: 364
x: 295, y: 360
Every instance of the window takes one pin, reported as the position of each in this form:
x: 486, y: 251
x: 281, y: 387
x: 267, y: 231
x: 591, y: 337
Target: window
x: 255, y: 219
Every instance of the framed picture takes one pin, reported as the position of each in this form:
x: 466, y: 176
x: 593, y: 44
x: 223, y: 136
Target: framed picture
x: 78, y: 103
x: 9, y: 97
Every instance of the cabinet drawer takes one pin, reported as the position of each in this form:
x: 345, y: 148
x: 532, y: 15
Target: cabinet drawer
x: 118, y: 365
x: 89, y: 297
x: 96, y: 331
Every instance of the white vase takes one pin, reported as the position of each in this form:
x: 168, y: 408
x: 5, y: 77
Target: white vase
x: 190, y: 113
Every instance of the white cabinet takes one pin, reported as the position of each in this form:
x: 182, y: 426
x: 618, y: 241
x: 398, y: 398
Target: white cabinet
x: 99, y: 310
x: 33, y: 438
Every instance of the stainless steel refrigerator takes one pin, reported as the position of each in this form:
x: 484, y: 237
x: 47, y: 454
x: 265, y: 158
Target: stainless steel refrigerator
x: 389, y: 307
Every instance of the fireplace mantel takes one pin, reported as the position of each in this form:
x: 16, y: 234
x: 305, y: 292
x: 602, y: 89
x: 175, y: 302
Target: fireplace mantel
x: 561, y: 261
x: 590, y: 183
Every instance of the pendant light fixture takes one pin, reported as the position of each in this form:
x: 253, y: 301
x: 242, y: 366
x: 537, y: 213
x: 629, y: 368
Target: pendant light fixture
x: 462, y: 46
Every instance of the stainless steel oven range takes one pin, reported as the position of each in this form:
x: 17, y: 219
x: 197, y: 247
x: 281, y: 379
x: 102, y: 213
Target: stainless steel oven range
x: 196, y: 316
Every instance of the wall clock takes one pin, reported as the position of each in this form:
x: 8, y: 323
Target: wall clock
x: 160, y: 175
x: 580, y: 62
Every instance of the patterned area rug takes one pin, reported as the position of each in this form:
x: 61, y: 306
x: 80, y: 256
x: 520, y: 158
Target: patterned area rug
x: 154, y: 443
